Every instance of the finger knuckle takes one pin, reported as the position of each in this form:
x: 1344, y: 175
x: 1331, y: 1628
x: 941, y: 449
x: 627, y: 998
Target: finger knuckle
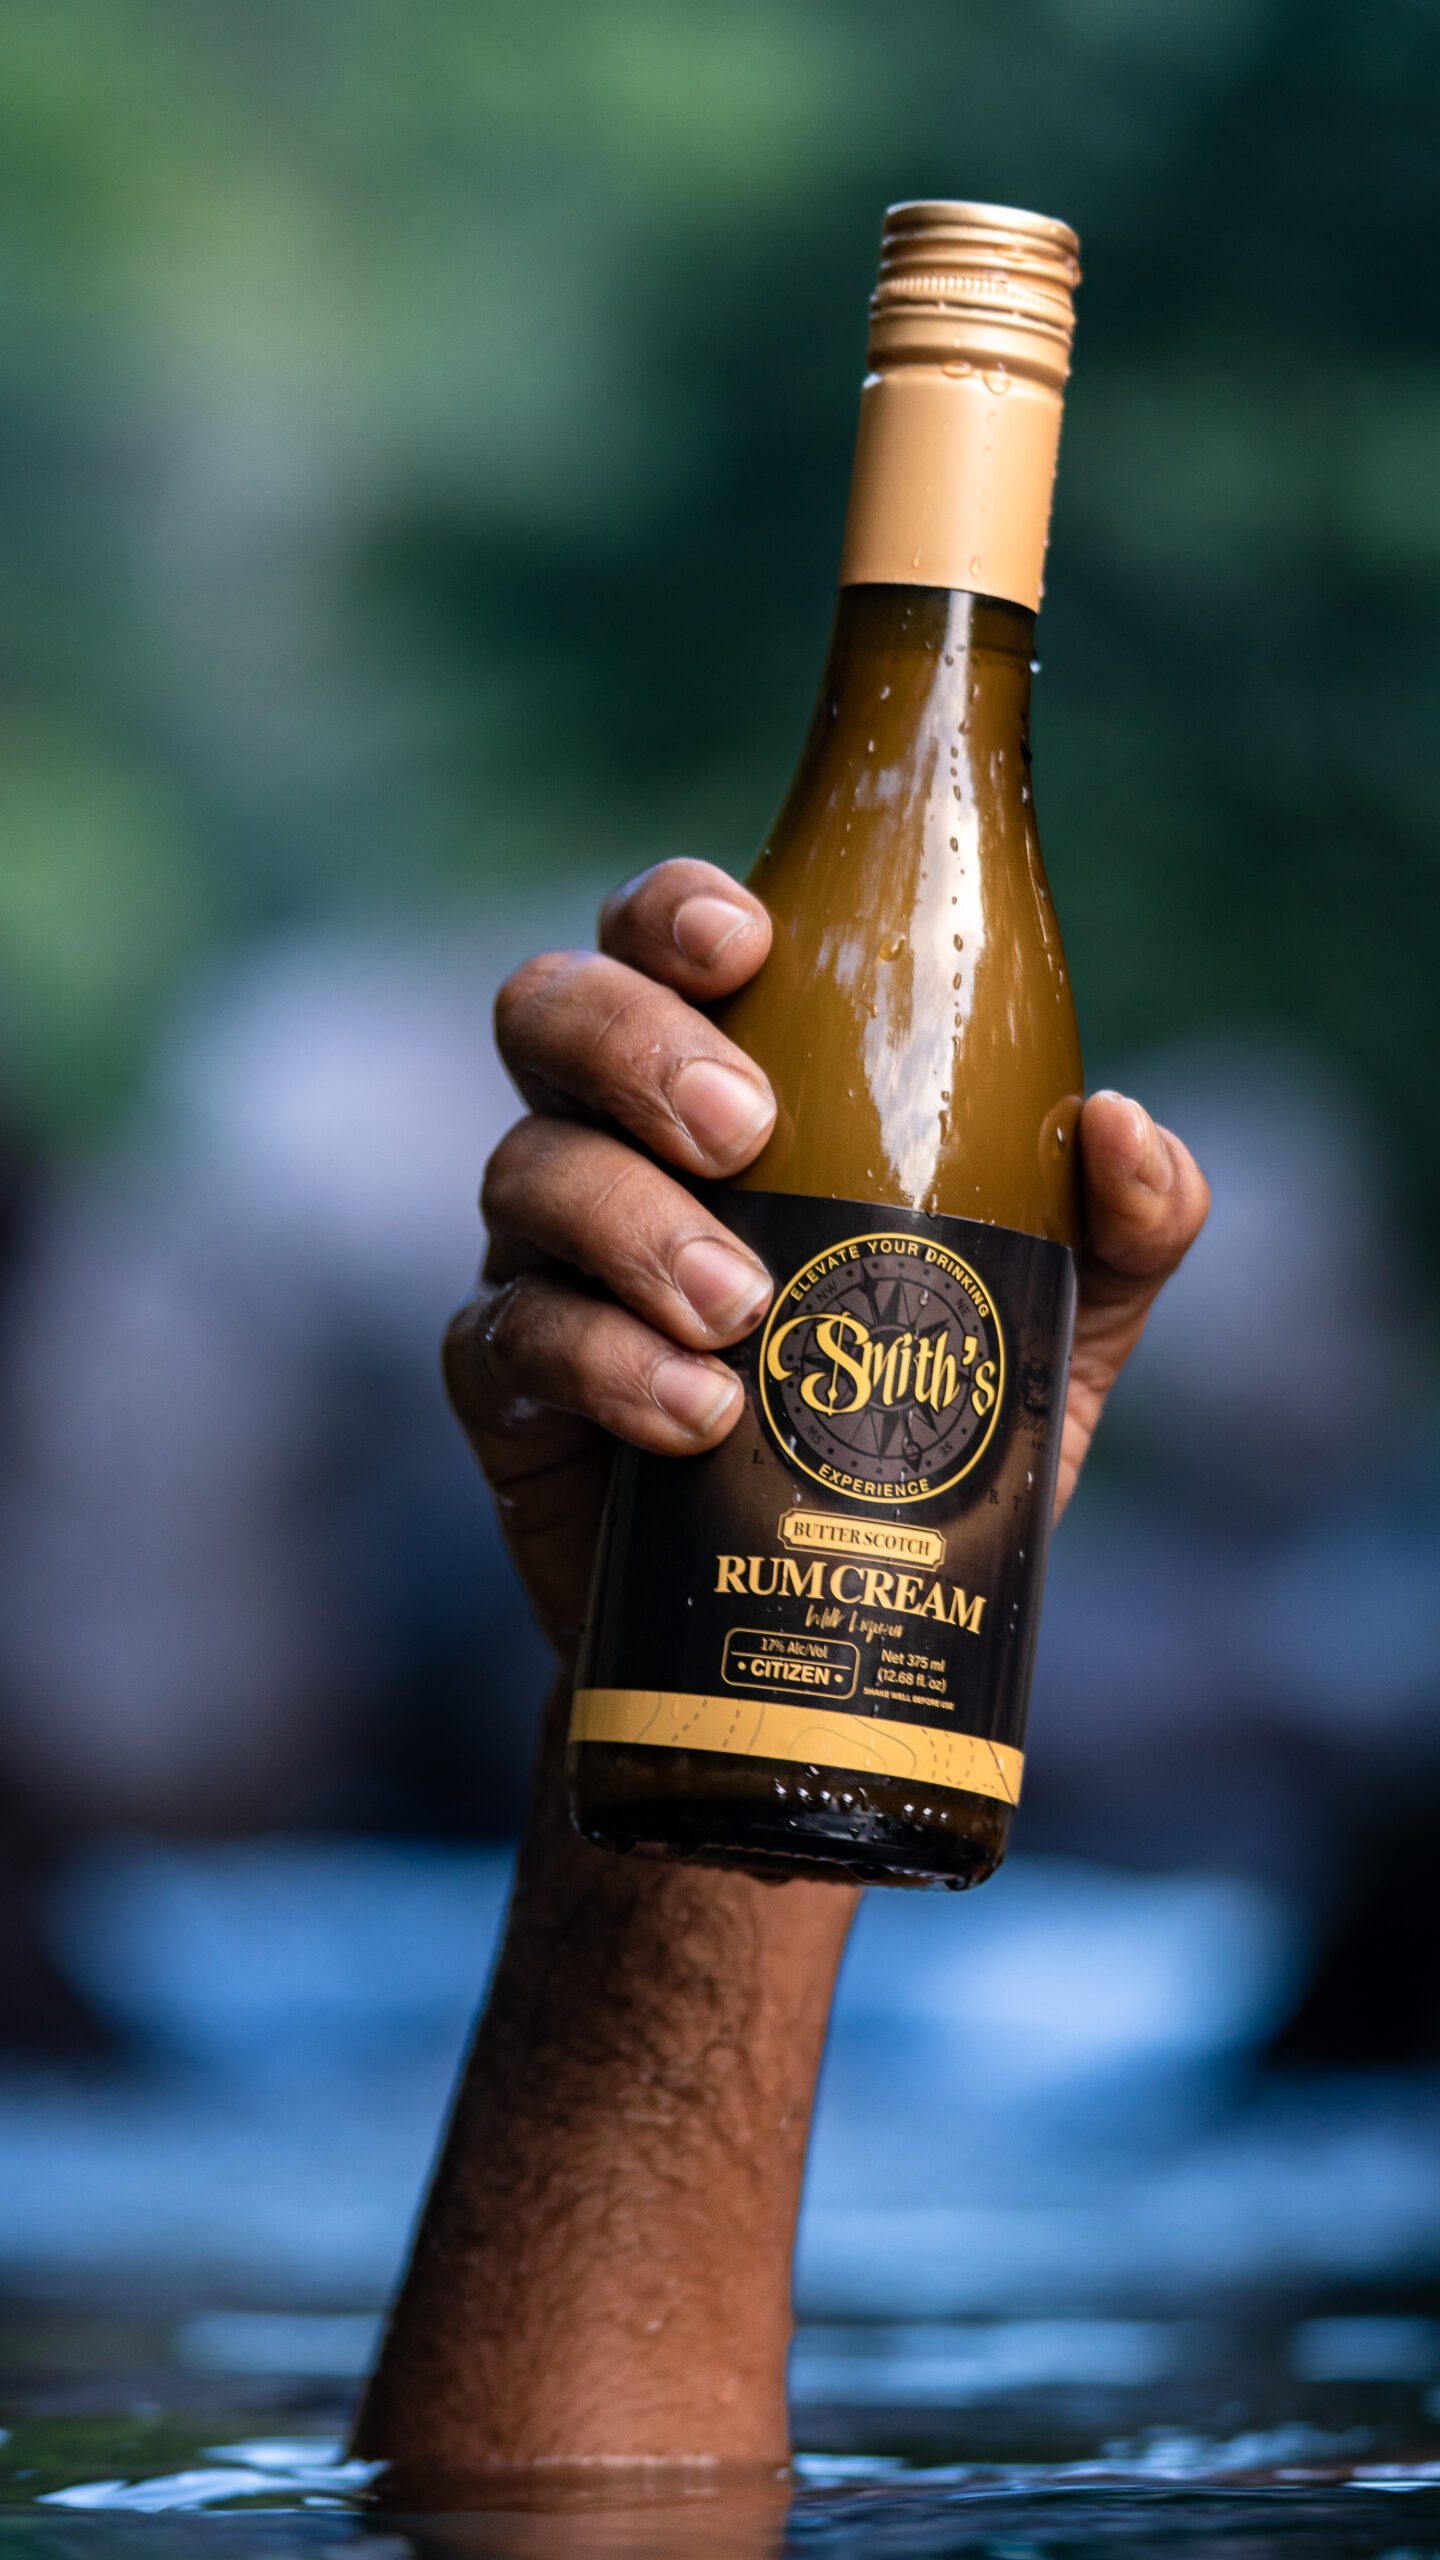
x: 592, y: 1366
x: 625, y: 1235
x: 625, y: 1400
x: 643, y: 1278
x: 622, y: 1209
x: 628, y: 1049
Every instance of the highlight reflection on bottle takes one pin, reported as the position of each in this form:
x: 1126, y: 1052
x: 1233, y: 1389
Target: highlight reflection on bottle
x: 814, y: 1644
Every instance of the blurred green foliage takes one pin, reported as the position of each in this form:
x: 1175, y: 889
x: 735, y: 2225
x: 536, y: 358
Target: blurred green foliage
x: 425, y: 432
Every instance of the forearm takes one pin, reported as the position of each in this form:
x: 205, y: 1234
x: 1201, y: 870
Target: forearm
x: 603, y: 2264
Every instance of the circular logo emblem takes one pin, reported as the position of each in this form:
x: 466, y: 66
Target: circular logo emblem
x: 882, y: 1368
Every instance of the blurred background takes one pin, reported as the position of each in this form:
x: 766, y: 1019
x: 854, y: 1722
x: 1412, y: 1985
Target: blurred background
x: 425, y: 437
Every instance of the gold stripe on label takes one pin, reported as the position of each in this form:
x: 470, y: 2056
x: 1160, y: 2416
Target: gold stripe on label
x: 835, y: 1533
x: 771, y: 1729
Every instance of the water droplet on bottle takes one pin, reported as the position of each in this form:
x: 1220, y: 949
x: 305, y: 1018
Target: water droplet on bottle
x: 959, y: 938
x: 954, y: 844
x: 956, y: 369
x: 892, y: 946
x: 997, y: 380
x: 974, y: 564
x: 1060, y: 1141
x: 914, y: 559
x: 869, y: 746
x: 884, y: 693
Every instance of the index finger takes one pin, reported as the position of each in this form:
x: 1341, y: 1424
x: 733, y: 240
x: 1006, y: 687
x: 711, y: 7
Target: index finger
x: 689, y: 925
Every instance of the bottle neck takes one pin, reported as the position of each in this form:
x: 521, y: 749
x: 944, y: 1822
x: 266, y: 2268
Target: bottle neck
x: 924, y: 689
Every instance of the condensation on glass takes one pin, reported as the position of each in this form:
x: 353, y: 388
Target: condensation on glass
x: 811, y: 1648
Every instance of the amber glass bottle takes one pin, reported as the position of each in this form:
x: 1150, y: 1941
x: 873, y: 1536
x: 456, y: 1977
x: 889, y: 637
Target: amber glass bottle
x: 813, y: 1645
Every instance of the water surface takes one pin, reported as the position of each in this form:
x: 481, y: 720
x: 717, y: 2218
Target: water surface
x: 1080, y: 2270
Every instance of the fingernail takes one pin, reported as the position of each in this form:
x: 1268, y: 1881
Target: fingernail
x: 724, y: 1287
x: 723, y: 1111
x: 704, y: 925
x: 693, y: 1394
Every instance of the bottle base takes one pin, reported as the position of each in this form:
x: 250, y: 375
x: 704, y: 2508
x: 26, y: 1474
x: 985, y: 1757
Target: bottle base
x: 774, y: 1820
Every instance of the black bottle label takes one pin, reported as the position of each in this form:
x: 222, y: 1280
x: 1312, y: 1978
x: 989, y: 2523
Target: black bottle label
x: 852, y: 1580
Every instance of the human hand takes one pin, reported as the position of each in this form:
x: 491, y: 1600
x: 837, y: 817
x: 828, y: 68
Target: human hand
x: 608, y: 1289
